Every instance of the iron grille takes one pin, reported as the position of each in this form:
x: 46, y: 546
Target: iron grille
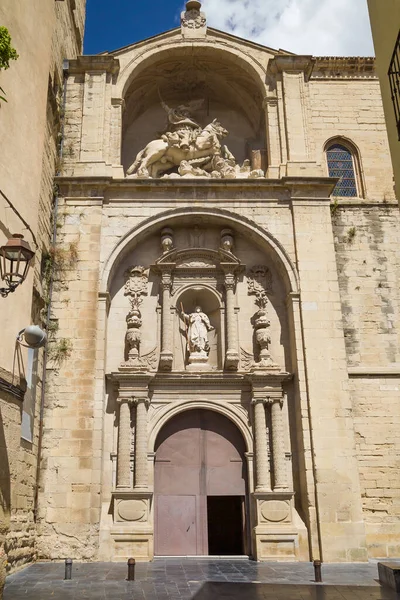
x: 394, y: 78
x: 340, y: 164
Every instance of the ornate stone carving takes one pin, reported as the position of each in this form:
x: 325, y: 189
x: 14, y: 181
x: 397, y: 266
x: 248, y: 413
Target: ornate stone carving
x: 189, y: 150
x: 132, y: 510
x: 246, y: 359
x: 197, y: 327
x: 259, y: 281
x: 275, y: 511
x: 227, y: 240
x: 167, y: 240
x: 193, y: 21
x: 196, y: 236
x: 136, y: 280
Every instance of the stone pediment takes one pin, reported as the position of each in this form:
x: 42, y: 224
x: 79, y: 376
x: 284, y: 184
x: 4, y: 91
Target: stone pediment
x: 213, y: 36
x: 195, y: 259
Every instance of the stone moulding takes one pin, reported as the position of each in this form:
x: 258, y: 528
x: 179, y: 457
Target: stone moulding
x: 12, y: 390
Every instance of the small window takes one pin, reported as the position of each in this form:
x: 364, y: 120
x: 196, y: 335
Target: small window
x: 394, y: 78
x: 341, y: 164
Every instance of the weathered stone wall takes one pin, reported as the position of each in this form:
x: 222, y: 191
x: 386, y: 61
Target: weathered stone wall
x: 32, y: 164
x: 367, y: 241
x: 353, y: 109
x: 69, y: 505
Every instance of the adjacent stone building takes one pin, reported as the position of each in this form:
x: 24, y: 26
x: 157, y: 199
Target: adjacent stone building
x: 226, y: 373
x: 44, y: 34
x: 385, y: 24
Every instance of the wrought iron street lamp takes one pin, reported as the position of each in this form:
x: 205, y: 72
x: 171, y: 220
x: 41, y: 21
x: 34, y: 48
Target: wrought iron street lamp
x: 15, y: 258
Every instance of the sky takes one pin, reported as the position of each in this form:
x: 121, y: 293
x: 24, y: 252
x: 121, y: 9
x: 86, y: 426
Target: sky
x: 318, y: 27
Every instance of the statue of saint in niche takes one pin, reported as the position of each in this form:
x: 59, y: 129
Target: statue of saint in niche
x: 198, y: 326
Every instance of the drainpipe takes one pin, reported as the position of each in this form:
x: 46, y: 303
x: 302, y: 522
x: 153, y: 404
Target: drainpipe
x: 45, y: 354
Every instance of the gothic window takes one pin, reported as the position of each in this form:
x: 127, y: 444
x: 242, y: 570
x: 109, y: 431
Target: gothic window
x: 341, y: 163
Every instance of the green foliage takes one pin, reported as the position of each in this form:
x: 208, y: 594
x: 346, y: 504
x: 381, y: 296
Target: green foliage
x: 334, y: 206
x: 7, y: 53
x: 351, y: 234
x: 60, y: 350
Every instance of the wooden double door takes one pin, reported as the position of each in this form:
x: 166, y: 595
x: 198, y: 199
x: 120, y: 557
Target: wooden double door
x: 200, y: 486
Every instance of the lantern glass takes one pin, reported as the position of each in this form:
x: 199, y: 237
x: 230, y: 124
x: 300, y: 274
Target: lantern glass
x: 15, y: 257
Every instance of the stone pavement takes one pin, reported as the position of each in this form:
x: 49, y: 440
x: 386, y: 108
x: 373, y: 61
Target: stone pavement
x: 198, y: 579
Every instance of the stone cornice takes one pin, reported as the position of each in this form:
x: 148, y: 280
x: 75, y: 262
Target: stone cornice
x: 100, y: 63
x: 292, y: 64
x: 376, y: 372
x: 344, y: 67
x: 127, y: 190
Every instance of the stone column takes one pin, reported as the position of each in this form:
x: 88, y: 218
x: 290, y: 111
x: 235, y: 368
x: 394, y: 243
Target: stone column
x: 141, y: 474
x: 263, y: 478
x: 232, y: 356
x: 166, y: 337
x: 278, y: 445
x: 124, y: 445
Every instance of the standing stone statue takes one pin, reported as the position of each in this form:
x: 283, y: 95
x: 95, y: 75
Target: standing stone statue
x: 198, y: 326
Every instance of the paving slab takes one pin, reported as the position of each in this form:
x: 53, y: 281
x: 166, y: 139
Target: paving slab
x: 198, y: 579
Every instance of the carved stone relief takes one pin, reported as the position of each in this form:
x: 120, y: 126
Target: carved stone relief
x: 131, y: 510
x: 275, y: 511
x: 259, y: 283
x: 136, y: 280
x: 187, y: 149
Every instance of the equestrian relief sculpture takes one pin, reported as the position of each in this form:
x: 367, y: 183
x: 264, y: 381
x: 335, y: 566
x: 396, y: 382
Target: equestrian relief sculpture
x: 190, y: 150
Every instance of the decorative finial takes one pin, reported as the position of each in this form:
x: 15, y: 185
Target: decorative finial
x: 193, y: 5
x: 193, y: 21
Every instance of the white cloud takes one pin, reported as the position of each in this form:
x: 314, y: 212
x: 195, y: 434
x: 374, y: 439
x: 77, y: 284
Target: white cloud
x: 318, y: 27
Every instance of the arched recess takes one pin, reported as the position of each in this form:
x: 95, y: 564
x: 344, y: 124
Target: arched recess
x: 233, y: 413
x: 229, y: 83
x: 229, y: 52
x: 263, y: 238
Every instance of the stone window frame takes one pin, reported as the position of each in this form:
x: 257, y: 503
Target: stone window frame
x: 357, y: 166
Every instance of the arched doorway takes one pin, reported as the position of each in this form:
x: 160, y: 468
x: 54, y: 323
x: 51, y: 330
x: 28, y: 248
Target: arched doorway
x: 200, y: 486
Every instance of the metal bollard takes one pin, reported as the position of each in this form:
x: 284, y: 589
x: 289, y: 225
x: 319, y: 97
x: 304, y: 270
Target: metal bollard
x: 68, y: 568
x: 317, y: 571
x: 131, y: 569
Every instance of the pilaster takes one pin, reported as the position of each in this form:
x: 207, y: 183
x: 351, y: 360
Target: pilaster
x: 338, y: 496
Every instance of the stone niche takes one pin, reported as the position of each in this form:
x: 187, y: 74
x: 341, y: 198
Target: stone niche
x: 210, y: 87
x: 195, y: 269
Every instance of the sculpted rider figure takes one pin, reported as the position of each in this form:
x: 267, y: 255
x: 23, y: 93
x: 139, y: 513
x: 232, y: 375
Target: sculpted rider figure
x: 198, y: 327
x: 183, y: 130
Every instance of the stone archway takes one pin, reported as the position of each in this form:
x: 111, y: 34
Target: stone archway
x: 200, y: 486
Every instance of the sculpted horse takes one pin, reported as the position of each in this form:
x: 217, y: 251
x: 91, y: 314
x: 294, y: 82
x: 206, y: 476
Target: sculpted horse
x: 160, y: 155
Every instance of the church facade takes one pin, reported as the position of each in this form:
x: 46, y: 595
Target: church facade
x: 227, y: 364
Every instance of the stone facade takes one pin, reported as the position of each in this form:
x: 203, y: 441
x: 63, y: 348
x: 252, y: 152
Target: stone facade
x: 30, y: 127
x: 300, y: 290
x: 385, y: 19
